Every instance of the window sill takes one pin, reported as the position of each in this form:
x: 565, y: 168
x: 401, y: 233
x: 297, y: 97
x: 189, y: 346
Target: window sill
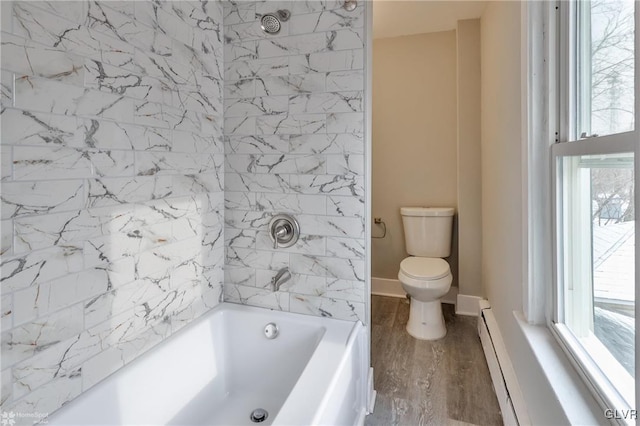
x: 577, y: 402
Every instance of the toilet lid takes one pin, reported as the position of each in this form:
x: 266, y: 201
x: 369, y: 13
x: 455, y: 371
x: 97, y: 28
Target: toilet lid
x: 424, y: 268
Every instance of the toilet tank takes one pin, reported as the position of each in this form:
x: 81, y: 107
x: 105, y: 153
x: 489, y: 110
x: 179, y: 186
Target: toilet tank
x: 427, y: 230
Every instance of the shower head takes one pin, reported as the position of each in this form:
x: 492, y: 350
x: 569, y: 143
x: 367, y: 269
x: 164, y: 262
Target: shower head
x: 271, y: 22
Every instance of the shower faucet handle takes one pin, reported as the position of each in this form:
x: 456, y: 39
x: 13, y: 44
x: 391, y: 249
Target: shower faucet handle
x: 284, y: 230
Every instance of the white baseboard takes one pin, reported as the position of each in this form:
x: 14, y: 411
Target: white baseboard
x: 393, y: 288
x: 503, y: 376
x: 468, y: 305
x: 387, y: 287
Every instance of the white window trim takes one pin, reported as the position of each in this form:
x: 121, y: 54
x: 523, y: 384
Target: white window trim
x: 540, y: 121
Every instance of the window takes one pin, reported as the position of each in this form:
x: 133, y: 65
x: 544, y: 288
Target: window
x: 594, y: 172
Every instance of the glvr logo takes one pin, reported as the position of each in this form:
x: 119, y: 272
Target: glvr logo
x: 621, y: 414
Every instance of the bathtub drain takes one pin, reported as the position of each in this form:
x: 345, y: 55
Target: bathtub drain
x: 259, y: 415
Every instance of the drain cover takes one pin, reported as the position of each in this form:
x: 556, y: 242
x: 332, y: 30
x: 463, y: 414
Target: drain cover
x: 259, y: 415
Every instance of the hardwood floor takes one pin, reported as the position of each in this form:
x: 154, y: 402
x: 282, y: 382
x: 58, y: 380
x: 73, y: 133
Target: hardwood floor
x: 442, y: 382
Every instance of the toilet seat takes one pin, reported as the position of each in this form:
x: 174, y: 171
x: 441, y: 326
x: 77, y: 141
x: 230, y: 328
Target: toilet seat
x: 424, y: 268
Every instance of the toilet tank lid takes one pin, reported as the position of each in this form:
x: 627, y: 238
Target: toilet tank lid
x: 427, y: 211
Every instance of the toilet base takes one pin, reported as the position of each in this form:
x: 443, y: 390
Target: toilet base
x: 426, y: 321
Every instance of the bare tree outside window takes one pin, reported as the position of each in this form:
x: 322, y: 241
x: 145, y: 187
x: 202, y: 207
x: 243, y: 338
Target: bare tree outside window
x: 612, y: 66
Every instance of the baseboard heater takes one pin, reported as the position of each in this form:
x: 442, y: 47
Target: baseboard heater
x: 502, y: 374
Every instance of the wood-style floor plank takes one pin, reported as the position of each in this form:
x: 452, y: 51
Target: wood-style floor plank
x: 442, y: 382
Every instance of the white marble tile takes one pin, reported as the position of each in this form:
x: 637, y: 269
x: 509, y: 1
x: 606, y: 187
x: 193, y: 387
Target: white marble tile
x: 6, y: 89
x: 31, y: 198
x: 241, y: 257
x: 327, y: 143
x: 306, y: 244
x: 345, y: 290
x: 326, y: 21
x: 6, y: 163
x: 245, y: 88
x: 326, y: 102
x: 239, y: 70
x: 6, y: 17
x: 291, y: 124
x: 270, y: 6
x: 265, y: 105
x: 196, y: 100
x: 240, y: 276
x: 256, y: 297
x: 275, y: 163
x: 327, y: 184
x: 122, y: 299
x: 345, y: 122
x: 332, y: 226
x: 293, y: 45
x: 345, y: 248
x: 158, y: 163
x: 342, y: 60
x: 290, y: 84
x: 238, y: 126
x: 302, y: 7
x: 244, y: 51
x: 50, y: 396
x: 304, y: 284
x: 24, y: 341
x: 255, y: 144
x: 195, y: 142
x: 6, y: 237
x: 22, y: 271
x: 47, y: 29
x: 291, y: 203
x: 6, y: 385
x: 41, y: 129
x: 326, y: 307
x: 37, y: 94
x: 63, y: 228
x: 113, y: 191
x: 235, y: 200
x: 50, y: 163
x: 345, y: 164
x: 245, y: 238
x: 153, y: 16
x: 256, y: 183
x: 238, y: 11
x: 248, y: 31
x: 6, y: 311
x: 249, y: 220
x: 345, y: 81
x: 60, y: 163
x: 120, y: 81
x: 349, y: 206
x: 345, y: 39
x: 74, y: 11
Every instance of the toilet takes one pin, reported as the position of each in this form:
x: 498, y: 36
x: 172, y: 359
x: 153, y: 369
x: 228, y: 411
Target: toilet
x: 425, y: 275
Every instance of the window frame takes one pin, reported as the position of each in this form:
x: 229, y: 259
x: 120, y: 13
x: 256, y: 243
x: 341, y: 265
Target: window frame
x: 561, y: 112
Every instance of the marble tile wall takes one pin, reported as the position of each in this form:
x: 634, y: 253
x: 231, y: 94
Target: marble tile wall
x: 294, y: 143
x: 112, y: 158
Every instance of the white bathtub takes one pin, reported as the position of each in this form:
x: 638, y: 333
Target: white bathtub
x: 217, y: 370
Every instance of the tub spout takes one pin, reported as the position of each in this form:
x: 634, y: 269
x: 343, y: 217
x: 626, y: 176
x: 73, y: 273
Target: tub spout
x: 280, y: 278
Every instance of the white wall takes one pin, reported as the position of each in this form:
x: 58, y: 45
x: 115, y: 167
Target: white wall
x: 469, y: 158
x: 414, y: 137
x: 502, y: 199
